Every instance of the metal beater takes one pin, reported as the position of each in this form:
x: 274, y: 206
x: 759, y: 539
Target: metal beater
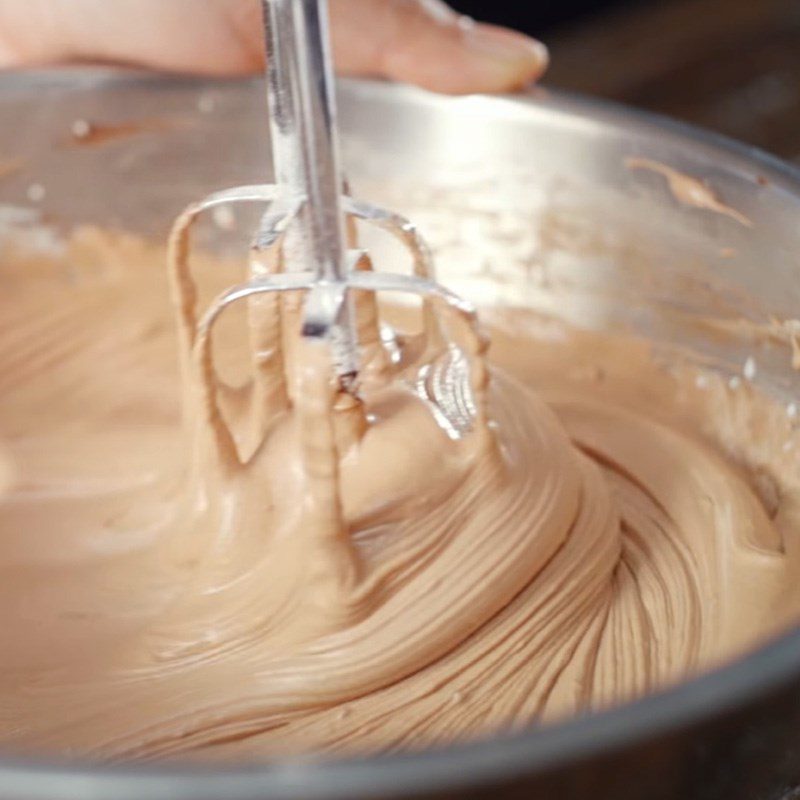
x: 304, y: 229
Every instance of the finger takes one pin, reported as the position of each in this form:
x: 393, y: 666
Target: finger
x: 427, y: 43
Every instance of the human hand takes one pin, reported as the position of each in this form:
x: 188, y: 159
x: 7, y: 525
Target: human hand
x: 417, y: 41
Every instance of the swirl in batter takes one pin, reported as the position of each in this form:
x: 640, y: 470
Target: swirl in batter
x: 294, y: 570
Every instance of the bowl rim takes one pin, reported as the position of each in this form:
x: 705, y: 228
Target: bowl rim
x: 502, y: 757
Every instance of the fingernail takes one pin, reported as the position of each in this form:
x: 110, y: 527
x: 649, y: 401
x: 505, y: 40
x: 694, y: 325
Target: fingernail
x: 506, y: 45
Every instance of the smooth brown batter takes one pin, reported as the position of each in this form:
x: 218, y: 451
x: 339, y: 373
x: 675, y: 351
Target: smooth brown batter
x: 290, y: 570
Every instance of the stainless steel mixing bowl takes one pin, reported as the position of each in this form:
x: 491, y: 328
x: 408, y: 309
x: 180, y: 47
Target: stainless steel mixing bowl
x: 528, y: 201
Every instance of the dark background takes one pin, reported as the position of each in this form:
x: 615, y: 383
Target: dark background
x: 729, y: 65
x: 538, y: 17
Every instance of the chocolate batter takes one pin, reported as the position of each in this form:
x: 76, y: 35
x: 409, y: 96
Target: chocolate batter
x: 258, y: 565
x: 689, y: 190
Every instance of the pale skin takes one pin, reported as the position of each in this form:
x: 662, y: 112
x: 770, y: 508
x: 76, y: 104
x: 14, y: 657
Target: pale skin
x: 423, y: 42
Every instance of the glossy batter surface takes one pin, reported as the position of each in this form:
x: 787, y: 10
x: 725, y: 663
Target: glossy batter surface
x: 276, y: 569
